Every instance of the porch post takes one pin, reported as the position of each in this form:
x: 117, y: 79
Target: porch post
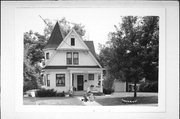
x: 70, y: 82
x: 101, y: 81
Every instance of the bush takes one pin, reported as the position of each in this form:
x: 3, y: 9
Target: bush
x: 107, y: 91
x: 60, y: 94
x: 98, y: 94
x: 149, y: 87
x: 46, y: 93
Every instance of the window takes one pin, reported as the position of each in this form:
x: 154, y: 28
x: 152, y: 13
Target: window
x: 60, y: 79
x: 48, y: 81
x: 91, y: 76
x: 75, y: 58
x: 47, y: 55
x: 72, y: 41
x: 69, y: 57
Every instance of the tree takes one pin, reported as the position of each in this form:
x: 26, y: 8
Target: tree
x: 134, y: 49
x: 33, y: 50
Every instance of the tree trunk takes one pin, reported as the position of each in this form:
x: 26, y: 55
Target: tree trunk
x: 135, y: 89
x: 127, y: 88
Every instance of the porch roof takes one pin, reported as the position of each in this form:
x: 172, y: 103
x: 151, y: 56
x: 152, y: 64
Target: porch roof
x: 65, y: 67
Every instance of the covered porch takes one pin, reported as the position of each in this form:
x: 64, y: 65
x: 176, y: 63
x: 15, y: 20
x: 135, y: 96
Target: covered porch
x: 83, y: 79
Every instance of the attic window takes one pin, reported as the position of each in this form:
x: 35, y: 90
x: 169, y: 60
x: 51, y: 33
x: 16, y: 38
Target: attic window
x: 72, y: 41
x: 47, y: 55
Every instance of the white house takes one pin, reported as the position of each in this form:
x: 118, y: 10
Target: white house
x: 71, y: 63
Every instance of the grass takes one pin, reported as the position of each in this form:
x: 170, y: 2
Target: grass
x: 52, y: 101
x: 110, y: 101
x: 104, y: 100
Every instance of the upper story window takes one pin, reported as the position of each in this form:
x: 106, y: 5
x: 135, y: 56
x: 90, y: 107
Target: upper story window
x: 72, y: 58
x: 75, y: 58
x: 47, y: 55
x: 72, y: 41
x: 69, y: 57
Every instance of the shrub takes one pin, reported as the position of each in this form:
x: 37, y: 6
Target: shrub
x: 98, y: 94
x: 60, y: 94
x: 149, y: 87
x: 107, y: 91
x: 46, y: 93
x: 29, y: 85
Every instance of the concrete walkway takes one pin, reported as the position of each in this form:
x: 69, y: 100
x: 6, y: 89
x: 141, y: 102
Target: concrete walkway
x: 89, y: 103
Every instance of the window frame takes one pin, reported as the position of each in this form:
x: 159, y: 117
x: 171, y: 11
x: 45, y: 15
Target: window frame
x: 69, y: 58
x: 47, y: 55
x: 89, y: 77
x: 72, y: 41
x: 76, y: 58
x: 48, y: 81
x: 64, y: 78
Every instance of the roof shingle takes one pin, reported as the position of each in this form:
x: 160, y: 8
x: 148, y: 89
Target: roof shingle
x: 56, y: 37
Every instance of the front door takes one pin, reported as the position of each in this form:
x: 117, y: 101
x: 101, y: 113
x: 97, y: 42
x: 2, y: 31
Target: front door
x: 80, y: 82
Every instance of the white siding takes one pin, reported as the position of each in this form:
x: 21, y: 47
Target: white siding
x: 119, y: 86
x: 84, y: 59
x: 66, y: 44
x: 52, y: 78
x: 51, y: 52
x: 58, y: 59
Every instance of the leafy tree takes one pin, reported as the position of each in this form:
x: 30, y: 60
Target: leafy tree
x: 133, y: 49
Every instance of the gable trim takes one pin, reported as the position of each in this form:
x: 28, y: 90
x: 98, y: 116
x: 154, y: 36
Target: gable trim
x: 58, y: 48
x: 67, y: 36
x: 95, y: 59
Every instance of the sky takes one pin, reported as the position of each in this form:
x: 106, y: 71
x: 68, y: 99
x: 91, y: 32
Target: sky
x: 98, y: 22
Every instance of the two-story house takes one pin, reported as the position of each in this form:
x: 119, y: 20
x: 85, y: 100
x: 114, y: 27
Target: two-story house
x: 71, y: 63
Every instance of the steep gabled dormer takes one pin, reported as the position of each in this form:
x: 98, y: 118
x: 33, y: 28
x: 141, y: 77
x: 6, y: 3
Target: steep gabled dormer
x: 72, y: 42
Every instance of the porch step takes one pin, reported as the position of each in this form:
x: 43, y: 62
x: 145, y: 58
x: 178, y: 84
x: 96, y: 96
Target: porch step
x: 79, y: 93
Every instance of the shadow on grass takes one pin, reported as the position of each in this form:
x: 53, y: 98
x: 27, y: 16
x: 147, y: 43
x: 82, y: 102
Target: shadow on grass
x: 118, y: 101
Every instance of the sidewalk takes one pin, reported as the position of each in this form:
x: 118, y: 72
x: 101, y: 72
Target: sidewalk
x: 89, y: 103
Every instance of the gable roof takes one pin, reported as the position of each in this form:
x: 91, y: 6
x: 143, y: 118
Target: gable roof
x: 65, y: 67
x: 56, y: 37
x: 90, y: 45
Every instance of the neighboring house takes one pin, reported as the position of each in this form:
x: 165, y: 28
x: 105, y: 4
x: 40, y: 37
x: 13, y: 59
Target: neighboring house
x: 131, y: 87
x: 119, y: 86
x: 71, y: 63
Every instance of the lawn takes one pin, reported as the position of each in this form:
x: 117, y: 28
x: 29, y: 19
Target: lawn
x: 112, y: 101
x: 105, y: 100
x: 53, y: 101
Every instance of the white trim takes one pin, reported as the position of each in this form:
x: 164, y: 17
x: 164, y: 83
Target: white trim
x: 81, y: 40
x: 48, y: 49
x: 94, y: 59
x: 67, y: 36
